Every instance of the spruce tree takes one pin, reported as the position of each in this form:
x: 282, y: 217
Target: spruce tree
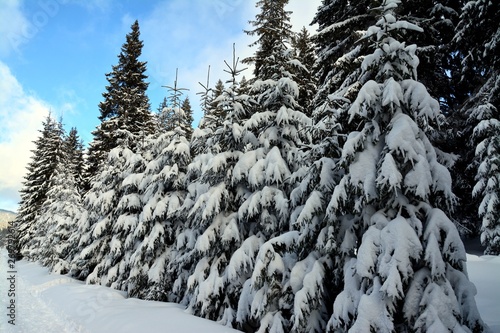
x: 438, y: 63
x: 265, y: 169
x: 102, y: 229
x: 162, y: 189
x: 404, y: 257
x: 341, y: 23
x: 164, y: 115
x: 214, y: 115
x: 487, y: 187
x: 187, y: 120
x: 125, y: 105
x: 480, y: 114
x: 210, y: 248
x: 74, y: 150
x: 304, y: 50
x: 62, y: 208
x: 46, y: 155
x: 115, y: 268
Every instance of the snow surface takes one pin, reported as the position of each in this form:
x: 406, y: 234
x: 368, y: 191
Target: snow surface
x: 55, y: 303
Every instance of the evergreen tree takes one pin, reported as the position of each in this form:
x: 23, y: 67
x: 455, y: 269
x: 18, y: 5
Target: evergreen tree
x: 206, y: 96
x: 207, y: 264
x: 165, y: 115
x: 438, y: 69
x: 115, y: 267
x: 339, y: 54
x: 74, y: 156
x: 62, y: 208
x: 212, y: 120
x: 487, y: 186
x: 304, y: 50
x: 125, y: 105
x: 103, y: 227
x: 163, y: 191
x: 479, y: 53
x: 214, y: 115
x: 264, y: 170
x: 47, y: 153
x: 404, y: 257
x: 273, y: 30
x: 187, y: 121
x: 480, y: 114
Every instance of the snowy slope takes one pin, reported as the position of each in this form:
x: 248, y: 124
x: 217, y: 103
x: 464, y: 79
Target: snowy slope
x: 5, y: 217
x: 54, y: 303
x: 484, y: 272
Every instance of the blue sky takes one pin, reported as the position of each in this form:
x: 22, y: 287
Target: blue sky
x: 54, y: 55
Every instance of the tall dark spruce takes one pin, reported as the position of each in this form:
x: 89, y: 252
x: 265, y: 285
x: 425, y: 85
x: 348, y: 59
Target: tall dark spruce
x: 111, y: 206
x: 480, y: 112
x: 125, y: 106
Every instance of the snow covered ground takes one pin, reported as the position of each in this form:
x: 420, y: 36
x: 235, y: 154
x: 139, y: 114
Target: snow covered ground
x: 54, y: 303
x: 47, y: 303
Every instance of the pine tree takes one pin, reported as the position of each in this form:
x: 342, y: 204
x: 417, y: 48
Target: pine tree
x: 162, y: 190
x: 46, y: 155
x: 481, y: 75
x: 187, y: 120
x: 62, y: 208
x: 208, y: 276
x: 75, y: 157
x: 265, y: 170
x: 304, y: 50
x: 103, y: 226
x: 125, y: 105
x: 404, y: 257
x: 341, y: 23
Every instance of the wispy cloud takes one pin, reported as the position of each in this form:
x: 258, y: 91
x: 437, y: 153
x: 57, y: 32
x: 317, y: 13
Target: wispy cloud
x: 303, y: 13
x: 13, y: 26
x: 203, y: 37
x: 21, y: 115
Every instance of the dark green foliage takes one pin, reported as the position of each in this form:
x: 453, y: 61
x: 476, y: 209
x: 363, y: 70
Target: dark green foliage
x: 304, y: 50
x: 480, y: 86
x: 125, y: 106
x: 273, y: 30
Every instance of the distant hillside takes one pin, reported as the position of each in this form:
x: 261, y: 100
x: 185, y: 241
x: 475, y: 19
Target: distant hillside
x: 5, y: 217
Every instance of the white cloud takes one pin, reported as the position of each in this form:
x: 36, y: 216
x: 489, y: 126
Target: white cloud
x: 21, y: 115
x: 192, y: 44
x: 13, y: 26
x: 303, y: 13
x: 202, y: 39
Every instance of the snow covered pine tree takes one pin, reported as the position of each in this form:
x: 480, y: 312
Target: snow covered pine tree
x: 405, y: 269
x: 47, y: 154
x: 163, y: 190
x: 63, y: 207
x: 481, y: 70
